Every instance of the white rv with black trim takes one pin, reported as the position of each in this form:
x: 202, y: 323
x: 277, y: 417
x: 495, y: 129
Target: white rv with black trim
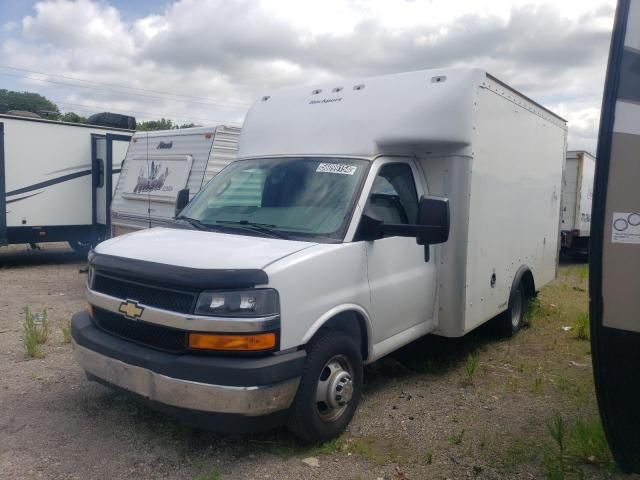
x: 360, y: 216
x: 57, y: 179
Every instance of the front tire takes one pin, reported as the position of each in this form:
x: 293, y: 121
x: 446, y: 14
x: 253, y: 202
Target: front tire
x: 330, y: 388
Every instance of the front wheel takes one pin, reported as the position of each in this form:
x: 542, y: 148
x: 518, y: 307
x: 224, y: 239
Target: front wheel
x: 330, y: 388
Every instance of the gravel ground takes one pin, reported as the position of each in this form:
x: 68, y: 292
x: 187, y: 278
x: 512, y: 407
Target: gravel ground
x: 421, y: 416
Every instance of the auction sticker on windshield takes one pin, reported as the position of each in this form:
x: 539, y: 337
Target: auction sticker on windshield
x: 337, y: 168
x: 626, y: 227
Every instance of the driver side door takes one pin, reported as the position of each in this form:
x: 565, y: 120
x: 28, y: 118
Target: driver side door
x: 402, y: 284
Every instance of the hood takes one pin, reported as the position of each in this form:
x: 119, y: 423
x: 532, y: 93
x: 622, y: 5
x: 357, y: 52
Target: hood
x: 198, y: 249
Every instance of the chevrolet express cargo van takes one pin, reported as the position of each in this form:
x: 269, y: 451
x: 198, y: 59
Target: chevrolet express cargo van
x: 360, y: 215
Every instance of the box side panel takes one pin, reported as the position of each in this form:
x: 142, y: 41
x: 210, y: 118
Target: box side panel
x: 569, y: 195
x: 514, y: 212
x: 130, y: 212
x: 48, y: 173
x: 223, y: 152
x: 450, y: 177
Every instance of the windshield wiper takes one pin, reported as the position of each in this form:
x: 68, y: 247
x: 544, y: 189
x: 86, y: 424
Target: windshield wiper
x: 195, y: 223
x: 264, y: 228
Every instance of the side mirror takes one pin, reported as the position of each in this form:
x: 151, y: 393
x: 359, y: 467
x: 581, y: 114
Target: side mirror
x: 432, y: 227
x: 433, y: 220
x: 181, y: 200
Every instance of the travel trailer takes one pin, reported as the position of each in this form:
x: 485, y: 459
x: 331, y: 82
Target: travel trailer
x: 57, y: 179
x: 577, y: 195
x: 162, y: 163
x: 359, y: 216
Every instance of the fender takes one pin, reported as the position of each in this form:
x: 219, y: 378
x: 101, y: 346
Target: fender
x: 529, y: 285
x: 348, y: 307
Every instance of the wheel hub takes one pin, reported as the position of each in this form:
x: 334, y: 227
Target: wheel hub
x: 340, y: 390
x: 335, y: 388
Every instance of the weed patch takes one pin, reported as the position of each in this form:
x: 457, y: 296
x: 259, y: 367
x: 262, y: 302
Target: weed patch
x: 581, y: 326
x: 66, y: 332
x: 35, y: 332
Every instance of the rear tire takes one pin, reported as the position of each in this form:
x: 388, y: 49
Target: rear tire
x: 329, y: 390
x: 512, y: 320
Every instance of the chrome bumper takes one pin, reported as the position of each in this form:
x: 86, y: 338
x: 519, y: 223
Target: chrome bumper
x: 249, y: 401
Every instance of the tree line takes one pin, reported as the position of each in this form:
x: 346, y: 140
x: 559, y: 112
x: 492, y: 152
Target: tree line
x: 42, y: 106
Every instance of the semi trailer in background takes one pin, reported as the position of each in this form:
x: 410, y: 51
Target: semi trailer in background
x: 57, y: 178
x: 359, y: 216
x: 577, y: 195
x: 161, y: 164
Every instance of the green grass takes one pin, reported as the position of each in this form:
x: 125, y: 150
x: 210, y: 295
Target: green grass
x: 587, y: 444
x: 457, y: 438
x: 473, y: 359
x: 581, y: 327
x: 212, y: 475
x: 35, y: 332
x: 66, y: 332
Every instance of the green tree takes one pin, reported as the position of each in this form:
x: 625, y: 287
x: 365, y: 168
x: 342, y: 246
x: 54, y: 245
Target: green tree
x: 162, y: 124
x: 31, y: 102
x: 73, y: 118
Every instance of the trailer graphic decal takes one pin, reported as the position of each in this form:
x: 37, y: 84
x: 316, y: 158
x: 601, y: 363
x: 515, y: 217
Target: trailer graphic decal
x: 152, y: 180
x: 158, y: 178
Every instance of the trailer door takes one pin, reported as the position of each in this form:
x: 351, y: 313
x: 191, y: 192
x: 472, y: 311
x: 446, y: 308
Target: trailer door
x: 100, y: 170
x: 3, y: 193
x: 107, y: 153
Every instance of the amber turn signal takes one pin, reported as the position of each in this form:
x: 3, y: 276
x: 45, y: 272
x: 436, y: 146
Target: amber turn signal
x: 238, y: 343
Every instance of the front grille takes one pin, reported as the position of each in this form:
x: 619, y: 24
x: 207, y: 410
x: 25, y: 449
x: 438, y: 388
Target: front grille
x: 166, y: 299
x: 154, y: 336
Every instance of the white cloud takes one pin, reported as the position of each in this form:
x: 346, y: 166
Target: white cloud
x: 236, y: 50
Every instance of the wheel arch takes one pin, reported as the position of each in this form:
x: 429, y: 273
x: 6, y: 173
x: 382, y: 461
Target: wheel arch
x: 346, y: 318
x: 525, y: 276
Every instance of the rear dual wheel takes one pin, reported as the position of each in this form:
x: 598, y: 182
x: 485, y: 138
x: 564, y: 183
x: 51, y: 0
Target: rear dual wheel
x: 329, y: 390
x: 512, y: 320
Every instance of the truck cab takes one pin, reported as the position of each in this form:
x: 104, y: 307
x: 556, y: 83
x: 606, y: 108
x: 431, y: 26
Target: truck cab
x: 354, y: 222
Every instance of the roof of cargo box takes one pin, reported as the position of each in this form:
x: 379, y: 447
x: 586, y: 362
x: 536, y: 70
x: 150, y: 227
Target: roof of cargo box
x: 422, y: 111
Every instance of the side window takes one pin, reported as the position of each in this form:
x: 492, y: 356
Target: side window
x: 394, y: 198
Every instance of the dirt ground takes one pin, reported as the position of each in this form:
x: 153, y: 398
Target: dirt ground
x: 426, y: 413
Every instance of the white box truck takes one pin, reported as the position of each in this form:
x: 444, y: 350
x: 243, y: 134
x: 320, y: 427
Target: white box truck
x: 161, y: 164
x: 57, y: 178
x: 360, y: 215
x: 577, y: 195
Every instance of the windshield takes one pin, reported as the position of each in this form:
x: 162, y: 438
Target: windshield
x: 297, y: 198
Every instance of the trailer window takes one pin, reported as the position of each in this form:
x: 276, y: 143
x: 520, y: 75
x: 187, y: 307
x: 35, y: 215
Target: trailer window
x: 394, y: 198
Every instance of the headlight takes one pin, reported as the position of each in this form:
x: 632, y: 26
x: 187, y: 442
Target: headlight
x: 239, y: 303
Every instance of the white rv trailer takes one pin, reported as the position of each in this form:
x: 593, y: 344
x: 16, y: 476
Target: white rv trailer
x: 57, y: 178
x: 577, y: 195
x: 381, y: 210
x: 159, y: 164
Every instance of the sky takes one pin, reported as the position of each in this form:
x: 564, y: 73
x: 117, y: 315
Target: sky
x: 206, y: 61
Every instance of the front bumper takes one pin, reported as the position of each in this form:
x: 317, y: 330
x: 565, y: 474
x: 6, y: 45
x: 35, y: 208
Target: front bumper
x: 249, y: 387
